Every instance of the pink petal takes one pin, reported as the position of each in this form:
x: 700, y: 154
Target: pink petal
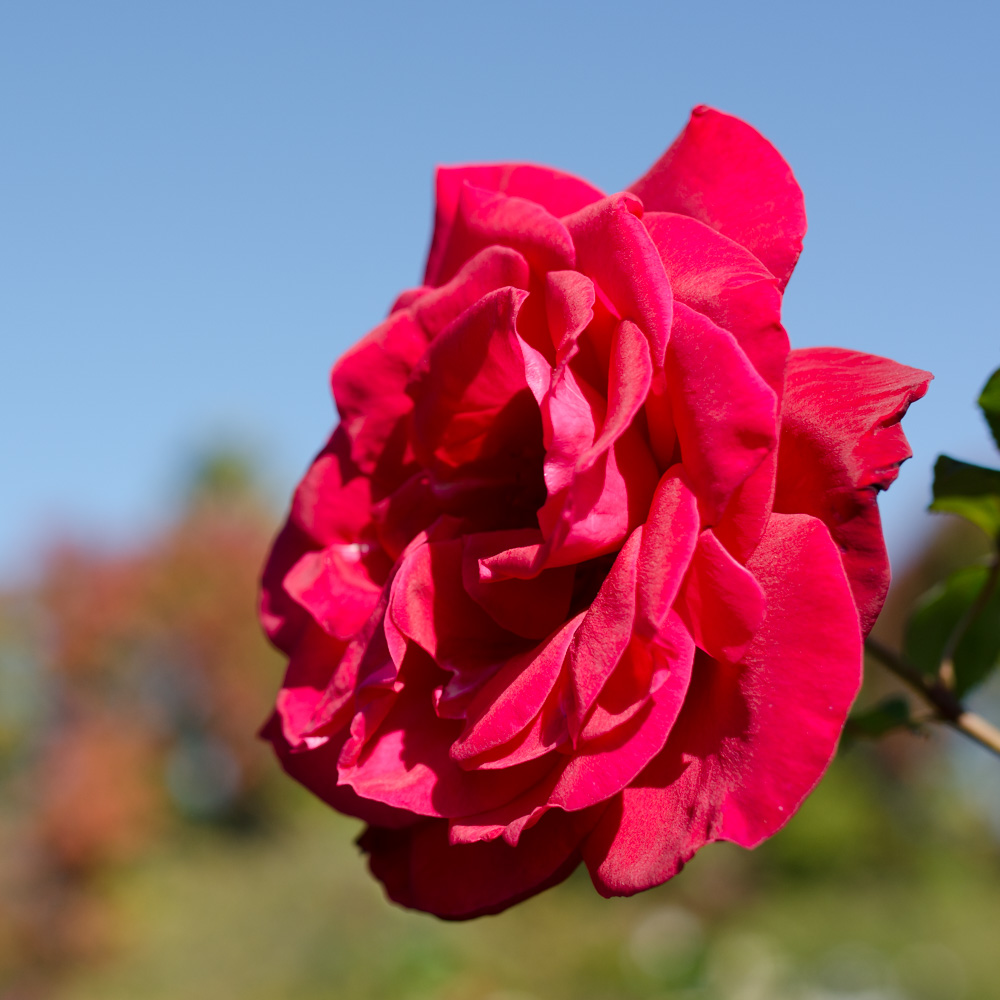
x: 596, y: 494
x: 724, y: 412
x: 606, y: 763
x: 484, y: 218
x: 407, y: 511
x: 406, y: 763
x: 628, y: 383
x: 531, y: 608
x: 422, y: 870
x: 603, y: 635
x: 669, y: 537
x: 726, y: 174
x: 311, y: 666
x: 334, y: 586
x: 602, y: 768
x: 430, y: 606
x: 752, y: 740
x: 841, y: 443
x: 283, y: 618
x: 369, y: 384
x: 721, y: 603
x: 331, y: 504
x: 745, y: 517
x: 316, y: 769
x: 569, y: 306
x: 490, y: 269
x: 557, y: 192
x: 613, y: 248
x: 513, y: 698
x: 717, y: 277
x: 467, y: 377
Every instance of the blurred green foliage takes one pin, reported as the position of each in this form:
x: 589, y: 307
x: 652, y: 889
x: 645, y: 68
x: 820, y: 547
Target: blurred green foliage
x: 941, y: 612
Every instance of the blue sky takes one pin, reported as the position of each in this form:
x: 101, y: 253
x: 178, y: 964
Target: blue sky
x: 203, y: 204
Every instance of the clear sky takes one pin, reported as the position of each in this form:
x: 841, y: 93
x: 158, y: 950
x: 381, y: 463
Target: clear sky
x: 202, y: 204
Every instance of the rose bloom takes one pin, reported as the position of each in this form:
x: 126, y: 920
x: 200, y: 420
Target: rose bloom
x: 584, y: 571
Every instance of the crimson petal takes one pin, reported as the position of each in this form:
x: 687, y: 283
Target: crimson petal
x: 724, y: 173
x: 841, y: 443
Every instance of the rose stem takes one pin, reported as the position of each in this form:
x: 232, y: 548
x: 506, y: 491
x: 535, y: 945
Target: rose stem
x: 946, y: 706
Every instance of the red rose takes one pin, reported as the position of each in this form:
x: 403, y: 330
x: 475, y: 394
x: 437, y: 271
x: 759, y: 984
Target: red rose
x: 584, y: 571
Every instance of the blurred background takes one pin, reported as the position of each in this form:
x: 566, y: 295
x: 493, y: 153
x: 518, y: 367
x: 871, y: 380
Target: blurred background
x: 202, y: 205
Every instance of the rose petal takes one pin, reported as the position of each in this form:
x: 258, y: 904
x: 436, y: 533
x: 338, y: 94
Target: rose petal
x: 717, y: 277
x: 490, y: 269
x: 468, y: 375
x: 422, y: 870
x: 603, y: 635
x: 669, y: 537
x: 316, y: 769
x: 725, y: 413
x: 726, y: 174
x: 752, y: 741
x: 613, y: 248
x: 721, y: 603
x: 602, y: 766
x: 406, y: 763
x: 596, y: 495
x: 557, y: 192
x: 569, y: 307
x: 369, y: 384
x: 282, y: 617
x: 312, y: 666
x: 430, y: 606
x: 840, y: 444
x: 484, y: 218
x: 333, y: 585
x: 531, y: 608
x: 513, y: 698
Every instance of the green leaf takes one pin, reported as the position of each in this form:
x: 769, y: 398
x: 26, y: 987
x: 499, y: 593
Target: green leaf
x: 889, y: 714
x: 971, y: 491
x: 989, y: 401
x: 937, y: 615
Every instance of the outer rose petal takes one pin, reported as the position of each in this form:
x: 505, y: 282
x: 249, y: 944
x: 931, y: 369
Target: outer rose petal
x: 752, y: 740
x: 282, y: 617
x: 557, y: 192
x: 331, y: 504
x: 840, y: 444
x: 726, y: 174
x: 369, y: 384
x: 333, y: 586
x: 312, y: 669
x: 317, y: 770
x: 422, y: 870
